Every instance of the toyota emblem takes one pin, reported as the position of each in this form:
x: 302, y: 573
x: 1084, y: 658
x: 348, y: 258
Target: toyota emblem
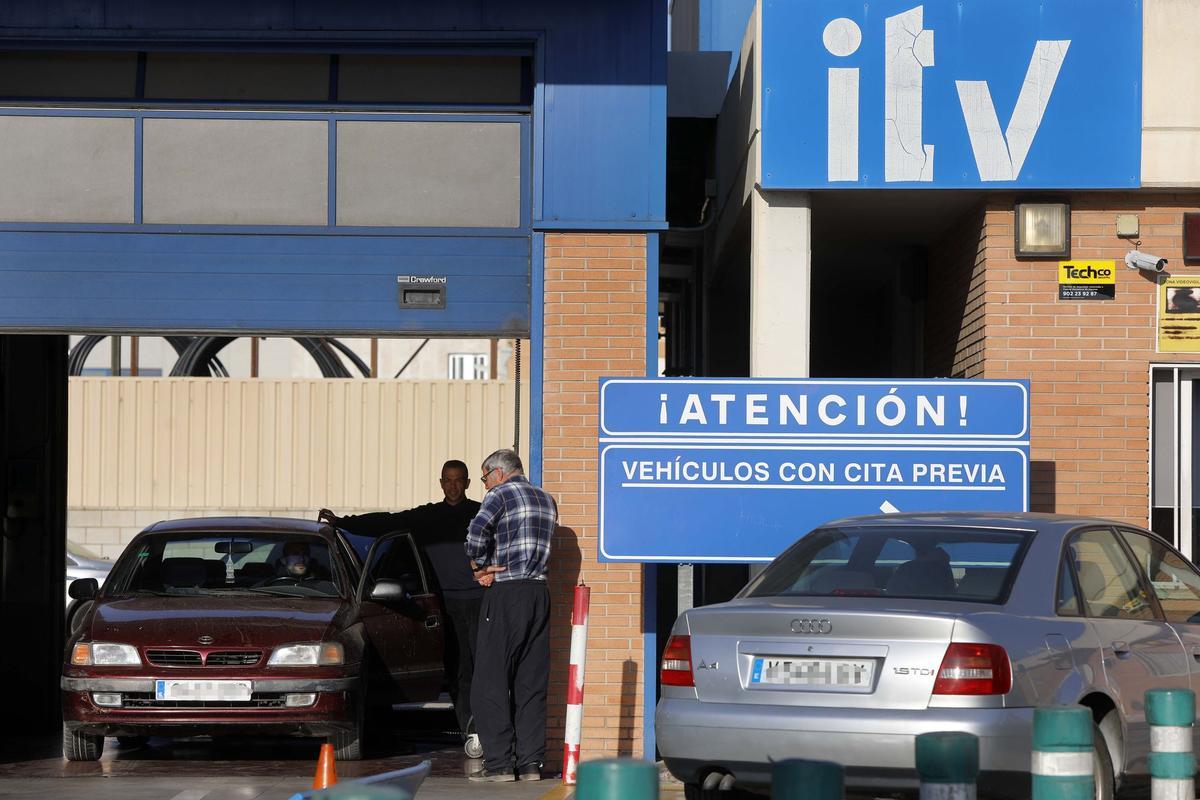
x: 812, y: 626
x: 205, y: 640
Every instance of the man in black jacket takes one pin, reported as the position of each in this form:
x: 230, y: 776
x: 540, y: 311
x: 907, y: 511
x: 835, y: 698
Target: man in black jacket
x: 440, y: 529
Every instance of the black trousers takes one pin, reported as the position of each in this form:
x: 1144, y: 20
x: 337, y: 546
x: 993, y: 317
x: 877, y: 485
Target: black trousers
x: 460, y: 653
x: 512, y: 670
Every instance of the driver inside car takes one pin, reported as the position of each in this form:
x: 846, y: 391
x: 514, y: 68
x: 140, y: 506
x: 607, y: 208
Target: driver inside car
x: 296, y: 562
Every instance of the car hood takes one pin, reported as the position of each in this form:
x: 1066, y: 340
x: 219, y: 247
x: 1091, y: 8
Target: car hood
x: 237, y: 621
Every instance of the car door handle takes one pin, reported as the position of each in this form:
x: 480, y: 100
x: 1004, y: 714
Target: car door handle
x: 1120, y: 649
x: 432, y: 622
x: 1196, y: 653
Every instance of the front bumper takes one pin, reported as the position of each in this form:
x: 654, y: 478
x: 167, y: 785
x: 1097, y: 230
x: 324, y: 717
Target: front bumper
x: 336, y: 708
x: 876, y: 747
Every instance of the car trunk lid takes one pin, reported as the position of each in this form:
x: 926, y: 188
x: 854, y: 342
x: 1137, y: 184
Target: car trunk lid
x: 868, y: 653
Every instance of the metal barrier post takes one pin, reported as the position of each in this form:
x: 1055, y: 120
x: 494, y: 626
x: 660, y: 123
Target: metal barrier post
x: 1171, y: 713
x: 1062, y: 754
x: 800, y: 779
x: 574, y: 728
x: 948, y: 763
x: 617, y: 779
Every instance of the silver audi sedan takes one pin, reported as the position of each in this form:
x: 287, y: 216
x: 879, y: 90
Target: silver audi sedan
x: 870, y: 630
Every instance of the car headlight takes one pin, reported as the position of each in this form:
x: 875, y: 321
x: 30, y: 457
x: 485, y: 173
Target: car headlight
x: 324, y: 654
x: 105, y: 654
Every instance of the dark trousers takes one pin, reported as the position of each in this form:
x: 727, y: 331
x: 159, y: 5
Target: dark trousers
x: 512, y: 669
x: 460, y: 651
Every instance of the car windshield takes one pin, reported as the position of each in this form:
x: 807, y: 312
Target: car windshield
x: 969, y: 564
x: 292, y: 564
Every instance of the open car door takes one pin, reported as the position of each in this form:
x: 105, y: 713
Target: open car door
x: 403, y: 620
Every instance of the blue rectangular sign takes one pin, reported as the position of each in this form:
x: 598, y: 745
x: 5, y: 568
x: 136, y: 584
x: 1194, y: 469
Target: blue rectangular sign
x: 713, y: 470
x: 951, y: 94
x: 933, y: 409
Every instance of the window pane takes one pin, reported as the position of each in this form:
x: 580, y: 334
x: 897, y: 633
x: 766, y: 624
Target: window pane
x: 935, y: 563
x: 1107, y: 579
x: 60, y: 74
x: 1174, y: 581
x: 237, y: 77
x: 1067, y: 603
x: 431, y: 79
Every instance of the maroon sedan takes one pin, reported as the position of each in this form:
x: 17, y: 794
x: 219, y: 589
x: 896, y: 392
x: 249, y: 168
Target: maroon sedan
x: 250, y: 625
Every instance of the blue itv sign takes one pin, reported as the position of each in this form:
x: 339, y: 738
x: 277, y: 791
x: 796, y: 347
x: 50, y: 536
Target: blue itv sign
x: 695, y: 470
x: 951, y: 94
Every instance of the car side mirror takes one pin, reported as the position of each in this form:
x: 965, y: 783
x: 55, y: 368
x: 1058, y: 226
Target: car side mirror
x: 84, y: 589
x: 386, y: 590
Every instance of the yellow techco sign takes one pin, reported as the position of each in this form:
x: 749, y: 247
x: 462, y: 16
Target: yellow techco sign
x: 1087, y: 280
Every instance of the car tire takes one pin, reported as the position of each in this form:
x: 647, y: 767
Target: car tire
x: 348, y: 742
x: 1102, y: 767
x: 81, y: 746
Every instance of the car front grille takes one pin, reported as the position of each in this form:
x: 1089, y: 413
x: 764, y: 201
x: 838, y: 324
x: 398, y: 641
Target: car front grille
x: 193, y: 658
x: 233, y: 658
x: 174, y: 658
x: 147, y: 700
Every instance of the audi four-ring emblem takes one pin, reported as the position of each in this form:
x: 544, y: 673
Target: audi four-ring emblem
x: 812, y: 626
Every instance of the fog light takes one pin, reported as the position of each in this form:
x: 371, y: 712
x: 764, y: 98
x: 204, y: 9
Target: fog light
x: 107, y: 699
x: 300, y: 700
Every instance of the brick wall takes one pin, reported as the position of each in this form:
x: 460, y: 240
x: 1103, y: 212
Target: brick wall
x: 954, y: 317
x: 595, y: 325
x: 1088, y: 361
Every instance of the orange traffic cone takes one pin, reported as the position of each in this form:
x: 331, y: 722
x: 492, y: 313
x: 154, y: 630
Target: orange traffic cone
x: 326, y: 771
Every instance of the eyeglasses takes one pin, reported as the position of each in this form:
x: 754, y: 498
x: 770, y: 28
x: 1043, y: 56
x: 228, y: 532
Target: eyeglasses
x: 489, y: 472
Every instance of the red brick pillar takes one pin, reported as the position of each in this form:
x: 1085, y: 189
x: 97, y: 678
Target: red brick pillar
x: 595, y: 325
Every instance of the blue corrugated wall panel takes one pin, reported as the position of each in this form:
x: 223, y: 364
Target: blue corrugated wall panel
x: 259, y: 283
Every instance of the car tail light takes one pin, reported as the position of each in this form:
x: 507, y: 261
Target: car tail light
x: 677, y: 662
x: 974, y: 669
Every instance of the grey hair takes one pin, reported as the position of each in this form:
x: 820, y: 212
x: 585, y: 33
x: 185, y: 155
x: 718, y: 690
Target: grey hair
x: 507, y: 461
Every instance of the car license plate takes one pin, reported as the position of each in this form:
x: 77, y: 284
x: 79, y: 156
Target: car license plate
x: 831, y: 672
x: 227, y: 691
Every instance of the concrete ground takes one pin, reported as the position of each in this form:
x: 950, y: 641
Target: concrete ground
x: 255, y: 769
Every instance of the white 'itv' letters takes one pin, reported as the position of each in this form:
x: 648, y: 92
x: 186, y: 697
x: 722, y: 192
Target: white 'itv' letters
x: 842, y: 37
x: 908, y: 50
x: 1000, y: 157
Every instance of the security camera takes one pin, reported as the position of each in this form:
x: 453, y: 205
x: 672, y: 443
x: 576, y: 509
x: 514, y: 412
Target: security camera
x: 1144, y: 261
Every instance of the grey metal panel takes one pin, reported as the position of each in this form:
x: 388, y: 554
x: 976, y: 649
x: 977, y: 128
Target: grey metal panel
x: 235, y: 172
x: 429, y: 174
x: 429, y: 79
x: 66, y: 169
x: 51, y: 73
x: 237, y: 76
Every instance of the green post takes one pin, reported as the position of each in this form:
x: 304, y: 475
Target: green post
x: 617, y: 779
x: 800, y: 779
x: 1062, y: 754
x: 948, y: 763
x: 1171, y: 713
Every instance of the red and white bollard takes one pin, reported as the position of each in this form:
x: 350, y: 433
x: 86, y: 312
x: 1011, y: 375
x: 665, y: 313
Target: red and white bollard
x: 579, y: 622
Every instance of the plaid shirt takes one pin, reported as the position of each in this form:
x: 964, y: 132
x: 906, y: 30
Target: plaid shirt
x: 513, y: 529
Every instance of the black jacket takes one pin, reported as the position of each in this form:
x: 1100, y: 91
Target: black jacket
x: 440, y: 529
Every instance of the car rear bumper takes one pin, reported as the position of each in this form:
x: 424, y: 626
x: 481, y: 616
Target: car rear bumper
x: 875, y: 747
x: 335, y: 709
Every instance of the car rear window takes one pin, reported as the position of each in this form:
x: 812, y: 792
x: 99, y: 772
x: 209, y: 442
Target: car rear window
x: 968, y: 564
x: 281, y: 563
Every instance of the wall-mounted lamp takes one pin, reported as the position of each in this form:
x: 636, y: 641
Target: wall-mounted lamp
x: 1191, y: 238
x: 1043, y: 230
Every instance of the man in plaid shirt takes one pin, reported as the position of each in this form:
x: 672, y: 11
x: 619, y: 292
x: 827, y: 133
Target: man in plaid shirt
x: 508, y: 543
